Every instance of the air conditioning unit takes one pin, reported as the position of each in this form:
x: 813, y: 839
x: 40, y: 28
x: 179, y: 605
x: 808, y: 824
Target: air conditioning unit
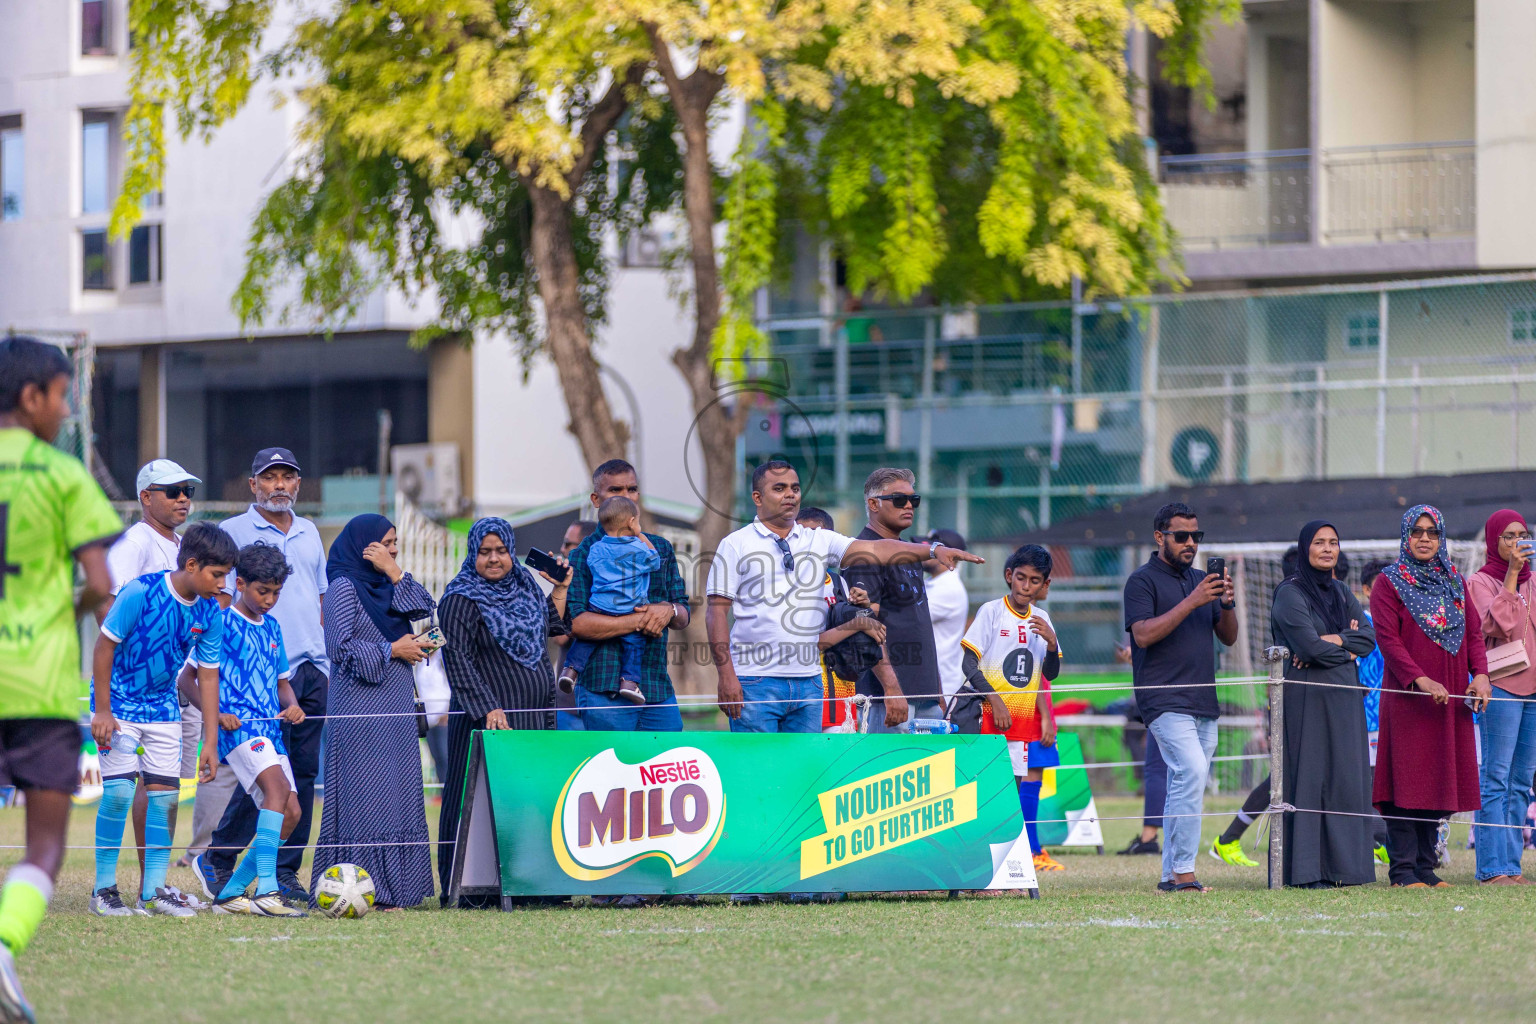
x: 428, y: 474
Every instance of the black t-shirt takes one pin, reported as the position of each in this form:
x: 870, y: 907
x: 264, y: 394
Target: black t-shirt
x: 1185, y: 656
x: 901, y: 591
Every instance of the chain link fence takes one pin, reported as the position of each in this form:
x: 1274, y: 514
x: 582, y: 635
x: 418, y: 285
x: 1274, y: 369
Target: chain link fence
x: 1017, y: 417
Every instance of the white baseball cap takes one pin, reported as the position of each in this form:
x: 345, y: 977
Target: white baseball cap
x: 160, y: 472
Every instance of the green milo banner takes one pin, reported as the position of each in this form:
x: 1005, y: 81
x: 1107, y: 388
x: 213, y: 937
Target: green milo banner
x: 1068, y: 816
x: 549, y: 813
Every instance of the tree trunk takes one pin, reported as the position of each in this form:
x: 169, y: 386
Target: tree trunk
x: 718, y: 416
x: 591, y: 421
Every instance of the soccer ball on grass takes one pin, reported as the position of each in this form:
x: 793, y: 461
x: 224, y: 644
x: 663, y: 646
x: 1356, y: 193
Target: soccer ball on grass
x: 345, y: 890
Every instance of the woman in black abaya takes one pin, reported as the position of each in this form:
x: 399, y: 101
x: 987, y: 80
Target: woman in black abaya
x: 1326, y: 763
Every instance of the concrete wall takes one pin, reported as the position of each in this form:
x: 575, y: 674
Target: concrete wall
x: 1506, y: 134
x: 524, y: 453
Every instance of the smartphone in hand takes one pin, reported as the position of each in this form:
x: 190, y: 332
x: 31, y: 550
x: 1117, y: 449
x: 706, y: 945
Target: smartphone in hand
x: 543, y: 561
x: 1216, y: 566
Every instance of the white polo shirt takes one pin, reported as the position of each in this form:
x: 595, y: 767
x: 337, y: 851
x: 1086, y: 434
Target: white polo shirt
x: 777, y: 614
x: 140, y: 550
x: 948, y: 605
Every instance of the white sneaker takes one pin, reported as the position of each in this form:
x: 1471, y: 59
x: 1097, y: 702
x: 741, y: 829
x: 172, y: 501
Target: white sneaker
x: 164, y: 902
x: 14, y: 1008
x: 108, y: 902
x: 238, y: 904
x: 270, y: 904
x: 187, y: 898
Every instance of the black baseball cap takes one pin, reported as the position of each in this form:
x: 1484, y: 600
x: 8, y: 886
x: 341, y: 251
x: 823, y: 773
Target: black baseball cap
x: 949, y: 538
x: 269, y: 457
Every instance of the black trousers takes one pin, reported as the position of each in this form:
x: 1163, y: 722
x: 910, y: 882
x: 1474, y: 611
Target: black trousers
x: 238, y: 825
x: 1411, y: 844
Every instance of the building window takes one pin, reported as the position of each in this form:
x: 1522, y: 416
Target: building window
x: 96, y: 137
x: 1522, y: 325
x: 144, y: 245
x: 12, y: 168
x: 94, y: 30
x: 1363, y: 331
x: 95, y: 260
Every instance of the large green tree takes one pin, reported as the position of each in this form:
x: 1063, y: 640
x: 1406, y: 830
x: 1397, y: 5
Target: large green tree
x: 459, y: 149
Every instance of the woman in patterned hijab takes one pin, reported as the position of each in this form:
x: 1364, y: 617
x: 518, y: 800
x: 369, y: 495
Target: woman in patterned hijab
x: 1426, y: 756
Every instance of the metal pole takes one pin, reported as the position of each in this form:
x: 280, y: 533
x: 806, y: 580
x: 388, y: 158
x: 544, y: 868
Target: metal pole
x: 1277, y: 657
x: 925, y: 419
x: 1381, y: 377
x: 1077, y: 335
x: 386, y: 422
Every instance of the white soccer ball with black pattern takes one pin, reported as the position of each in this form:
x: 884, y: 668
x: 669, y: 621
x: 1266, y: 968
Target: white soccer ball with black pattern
x: 345, y: 890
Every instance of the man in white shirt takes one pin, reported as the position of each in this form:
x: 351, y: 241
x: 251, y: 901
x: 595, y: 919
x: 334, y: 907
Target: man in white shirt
x: 766, y: 610
x: 948, y: 605
x: 165, y: 493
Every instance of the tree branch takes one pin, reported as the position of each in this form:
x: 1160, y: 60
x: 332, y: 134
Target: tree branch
x: 604, y: 115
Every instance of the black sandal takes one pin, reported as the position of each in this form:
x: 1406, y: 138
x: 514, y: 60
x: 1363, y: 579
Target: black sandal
x: 1191, y: 886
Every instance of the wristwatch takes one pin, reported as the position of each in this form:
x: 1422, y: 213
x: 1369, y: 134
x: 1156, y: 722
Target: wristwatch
x: 933, y: 549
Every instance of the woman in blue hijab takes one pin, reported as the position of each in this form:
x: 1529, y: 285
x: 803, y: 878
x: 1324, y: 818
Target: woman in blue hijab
x: 497, y: 621
x: 374, y: 810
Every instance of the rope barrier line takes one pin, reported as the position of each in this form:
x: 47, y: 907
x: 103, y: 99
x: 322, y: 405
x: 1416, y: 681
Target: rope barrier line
x: 1273, y: 808
x: 704, y: 700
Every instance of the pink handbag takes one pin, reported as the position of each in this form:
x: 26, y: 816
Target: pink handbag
x: 1507, y: 659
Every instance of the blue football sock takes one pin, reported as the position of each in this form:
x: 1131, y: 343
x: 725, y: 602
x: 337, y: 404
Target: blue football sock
x: 111, y: 816
x: 241, y: 879
x: 157, y: 839
x: 1029, y: 804
x: 269, y: 825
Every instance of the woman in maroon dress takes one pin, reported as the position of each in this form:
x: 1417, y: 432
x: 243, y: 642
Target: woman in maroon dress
x: 1426, y: 757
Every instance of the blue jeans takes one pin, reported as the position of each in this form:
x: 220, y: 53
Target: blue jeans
x: 631, y: 651
x: 796, y: 707
x: 1508, y: 728
x: 569, y: 719
x: 602, y: 713
x: 1187, y: 744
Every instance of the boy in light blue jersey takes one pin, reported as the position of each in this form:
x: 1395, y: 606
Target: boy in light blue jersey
x: 157, y: 621
x: 621, y: 561
x: 255, y: 699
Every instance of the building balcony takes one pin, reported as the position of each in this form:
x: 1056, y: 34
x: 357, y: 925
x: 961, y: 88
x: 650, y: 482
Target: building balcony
x: 1383, y: 209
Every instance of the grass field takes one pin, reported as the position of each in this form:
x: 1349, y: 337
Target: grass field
x: 1100, y: 945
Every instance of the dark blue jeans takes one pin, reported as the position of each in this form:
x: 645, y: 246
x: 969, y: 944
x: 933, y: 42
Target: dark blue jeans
x: 600, y: 712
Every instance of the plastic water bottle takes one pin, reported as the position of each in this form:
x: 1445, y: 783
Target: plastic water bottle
x: 930, y: 726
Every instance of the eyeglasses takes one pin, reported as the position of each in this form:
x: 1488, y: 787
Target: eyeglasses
x: 1185, y: 536
x: 174, y: 491
x: 789, y: 559
x: 901, y: 500
x: 1514, y: 536
x: 1420, y: 532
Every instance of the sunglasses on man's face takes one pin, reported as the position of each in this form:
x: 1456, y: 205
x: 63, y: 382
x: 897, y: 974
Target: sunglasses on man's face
x: 901, y: 500
x: 175, y: 491
x: 1185, y: 536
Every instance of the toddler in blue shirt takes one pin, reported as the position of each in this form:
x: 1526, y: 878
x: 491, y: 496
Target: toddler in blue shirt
x: 621, y: 561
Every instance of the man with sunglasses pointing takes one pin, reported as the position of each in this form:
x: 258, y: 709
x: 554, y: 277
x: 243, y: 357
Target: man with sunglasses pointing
x: 1171, y: 611
x: 765, y: 609
x: 898, y: 596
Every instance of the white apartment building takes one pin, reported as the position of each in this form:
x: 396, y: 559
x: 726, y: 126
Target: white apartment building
x: 1351, y: 140
x: 176, y: 377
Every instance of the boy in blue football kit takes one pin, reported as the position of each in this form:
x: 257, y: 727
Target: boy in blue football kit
x: 253, y: 687
x: 158, y: 620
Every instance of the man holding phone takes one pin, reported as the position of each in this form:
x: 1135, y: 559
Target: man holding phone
x: 1171, y: 611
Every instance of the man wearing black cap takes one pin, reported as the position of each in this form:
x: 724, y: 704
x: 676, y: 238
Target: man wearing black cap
x: 275, y: 487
